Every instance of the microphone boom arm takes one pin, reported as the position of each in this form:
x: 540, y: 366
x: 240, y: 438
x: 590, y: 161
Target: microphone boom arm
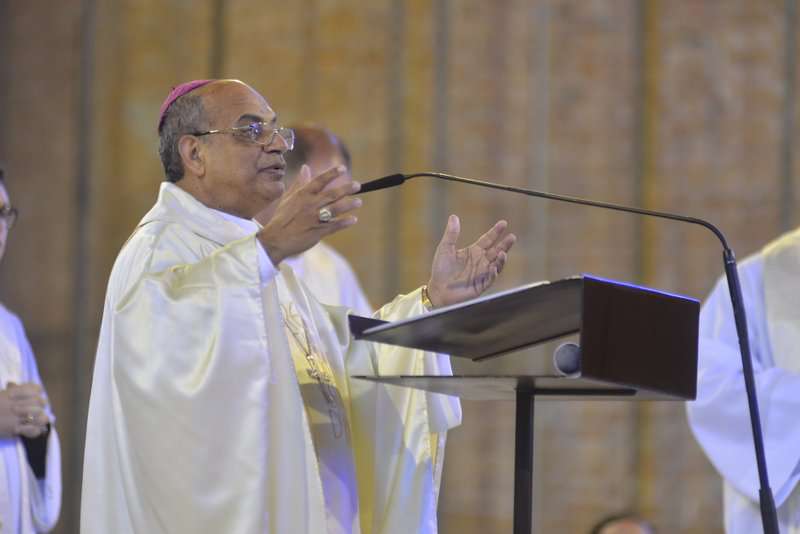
x: 577, y: 200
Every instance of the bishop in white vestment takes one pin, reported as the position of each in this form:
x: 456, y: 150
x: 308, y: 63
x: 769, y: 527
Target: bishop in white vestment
x: 222, y: 399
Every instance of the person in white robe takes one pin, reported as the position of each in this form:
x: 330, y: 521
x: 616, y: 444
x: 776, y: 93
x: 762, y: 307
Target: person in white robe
x: 30, y: 468
x: 719, y: 417
x: 222, y: 397
x: 323, y: 270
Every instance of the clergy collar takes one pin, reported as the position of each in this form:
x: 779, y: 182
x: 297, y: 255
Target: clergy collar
x: 251, y: 226
x: 174, y: 205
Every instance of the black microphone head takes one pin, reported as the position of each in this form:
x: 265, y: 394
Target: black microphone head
x: 382, y: 183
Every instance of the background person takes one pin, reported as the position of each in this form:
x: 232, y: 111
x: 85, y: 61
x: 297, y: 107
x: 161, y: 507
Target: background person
x: 326, y: 272
x: 30, y: 461
x: 719, y: 417
x: 625, y: 523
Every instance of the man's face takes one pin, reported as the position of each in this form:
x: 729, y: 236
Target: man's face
x: 240, y: 177
x: 4, y: 201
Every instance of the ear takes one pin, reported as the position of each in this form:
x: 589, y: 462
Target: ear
x: 192, y: 155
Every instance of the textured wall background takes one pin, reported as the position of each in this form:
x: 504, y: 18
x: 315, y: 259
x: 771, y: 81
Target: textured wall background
x: 685, y: 105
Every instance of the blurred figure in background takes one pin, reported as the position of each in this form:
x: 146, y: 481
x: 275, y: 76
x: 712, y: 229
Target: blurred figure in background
x: 30, y: 468
x: 623, y: 524
x: 326, y: 273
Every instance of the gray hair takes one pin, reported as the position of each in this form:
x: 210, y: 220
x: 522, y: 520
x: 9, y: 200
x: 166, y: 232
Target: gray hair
x: 185, y: 116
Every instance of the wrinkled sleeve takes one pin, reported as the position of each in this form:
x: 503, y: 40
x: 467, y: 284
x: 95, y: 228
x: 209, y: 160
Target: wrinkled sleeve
x: 444, y: 411
x: 719, y: 417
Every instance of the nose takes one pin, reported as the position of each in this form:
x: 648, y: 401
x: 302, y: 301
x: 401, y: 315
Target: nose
x: 278, y: 144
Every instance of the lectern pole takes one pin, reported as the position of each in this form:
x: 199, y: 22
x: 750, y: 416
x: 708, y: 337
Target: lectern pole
x: 523, y: 464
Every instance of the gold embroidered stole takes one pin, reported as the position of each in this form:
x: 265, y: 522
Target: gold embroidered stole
x: 327, y: 420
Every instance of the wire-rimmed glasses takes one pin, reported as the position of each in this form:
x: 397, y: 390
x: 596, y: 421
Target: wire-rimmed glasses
x: 259, y: 133
x: 8, y: 216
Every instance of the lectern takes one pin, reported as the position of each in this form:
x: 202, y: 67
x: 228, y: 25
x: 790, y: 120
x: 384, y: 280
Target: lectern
x: 635, y: 343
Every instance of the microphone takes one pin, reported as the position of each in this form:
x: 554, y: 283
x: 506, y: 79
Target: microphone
x: 769, y: 517
x: 382, y: 183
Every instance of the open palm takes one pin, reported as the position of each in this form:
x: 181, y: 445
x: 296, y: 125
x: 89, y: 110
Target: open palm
x: 462, y: 274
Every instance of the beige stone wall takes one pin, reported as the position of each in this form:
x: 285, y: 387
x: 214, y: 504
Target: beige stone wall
x: 669, y: 104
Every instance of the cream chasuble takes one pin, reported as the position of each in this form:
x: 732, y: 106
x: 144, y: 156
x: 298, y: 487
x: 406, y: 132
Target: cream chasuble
x: 782, y: 302
x: 782, y: 299
x: 208, y: 416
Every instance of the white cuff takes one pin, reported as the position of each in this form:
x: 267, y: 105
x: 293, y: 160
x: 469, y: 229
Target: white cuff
x: 266, y: 269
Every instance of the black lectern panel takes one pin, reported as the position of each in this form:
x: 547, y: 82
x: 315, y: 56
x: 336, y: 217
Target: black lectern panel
x: 640, y: 337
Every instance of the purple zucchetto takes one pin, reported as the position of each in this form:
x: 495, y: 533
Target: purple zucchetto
x: 177, y: 92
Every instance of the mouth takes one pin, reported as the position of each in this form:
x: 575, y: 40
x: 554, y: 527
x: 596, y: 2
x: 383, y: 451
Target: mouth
x: 277, y: 169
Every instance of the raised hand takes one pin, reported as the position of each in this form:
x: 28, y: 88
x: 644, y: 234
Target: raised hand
x: 296, y: 222
x: 22, y: 410
x: 462, y: 274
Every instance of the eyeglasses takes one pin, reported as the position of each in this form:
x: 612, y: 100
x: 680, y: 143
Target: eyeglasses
x: 8, y: 215
x: 258, y: 133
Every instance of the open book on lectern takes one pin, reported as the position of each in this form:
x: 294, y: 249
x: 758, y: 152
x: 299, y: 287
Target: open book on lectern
x: 634, y: 341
